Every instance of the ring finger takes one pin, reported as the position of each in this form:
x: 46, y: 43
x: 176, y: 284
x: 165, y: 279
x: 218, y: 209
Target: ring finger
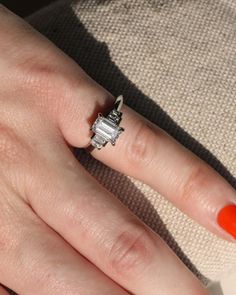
x: 149, y: 154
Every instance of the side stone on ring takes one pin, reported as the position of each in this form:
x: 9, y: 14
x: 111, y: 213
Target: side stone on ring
x: 107, y: 129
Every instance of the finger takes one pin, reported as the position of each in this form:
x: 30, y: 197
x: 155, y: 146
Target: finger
x: 36, y: 260
x: 149, y: 154
x: 103, y: 230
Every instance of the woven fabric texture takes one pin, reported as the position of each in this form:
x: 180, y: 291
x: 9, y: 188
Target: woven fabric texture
x: 175, y: 63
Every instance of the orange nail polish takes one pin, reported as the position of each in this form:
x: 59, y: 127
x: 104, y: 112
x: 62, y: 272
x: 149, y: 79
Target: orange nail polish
x: 227, y: 219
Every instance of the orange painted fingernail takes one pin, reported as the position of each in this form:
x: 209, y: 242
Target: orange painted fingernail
x: 227, y: 219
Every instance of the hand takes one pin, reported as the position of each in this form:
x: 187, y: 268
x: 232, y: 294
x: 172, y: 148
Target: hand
x: 61, y: 232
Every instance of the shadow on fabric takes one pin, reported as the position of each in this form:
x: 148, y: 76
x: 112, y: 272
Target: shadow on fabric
x: 216, y: 289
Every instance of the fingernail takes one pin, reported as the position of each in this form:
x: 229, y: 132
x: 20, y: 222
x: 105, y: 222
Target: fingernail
x: 227, y: 219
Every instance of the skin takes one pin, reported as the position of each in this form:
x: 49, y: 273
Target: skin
x: 61, y: 232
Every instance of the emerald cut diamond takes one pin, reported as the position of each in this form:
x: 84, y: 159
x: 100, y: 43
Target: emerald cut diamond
x: 107, y: 129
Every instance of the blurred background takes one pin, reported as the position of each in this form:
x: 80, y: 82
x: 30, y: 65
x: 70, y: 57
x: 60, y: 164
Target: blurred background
x: 25, y: 7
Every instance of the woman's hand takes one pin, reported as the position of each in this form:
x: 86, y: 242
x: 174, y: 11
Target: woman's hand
x: 61, y: 232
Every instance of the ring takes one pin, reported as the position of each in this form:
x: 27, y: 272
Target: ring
x: 106, y: 128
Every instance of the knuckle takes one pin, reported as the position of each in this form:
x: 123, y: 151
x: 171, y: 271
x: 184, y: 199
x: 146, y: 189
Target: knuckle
x: 131, y: 250
x: 197, y: 181
x: 47, y: 80
x: 39, y: 76
x: 140, y: 150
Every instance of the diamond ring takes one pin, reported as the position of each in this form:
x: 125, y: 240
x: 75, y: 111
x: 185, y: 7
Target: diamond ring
x: 106, y: 128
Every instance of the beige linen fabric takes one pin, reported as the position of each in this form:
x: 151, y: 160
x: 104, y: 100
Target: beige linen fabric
x: 175, y: 63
